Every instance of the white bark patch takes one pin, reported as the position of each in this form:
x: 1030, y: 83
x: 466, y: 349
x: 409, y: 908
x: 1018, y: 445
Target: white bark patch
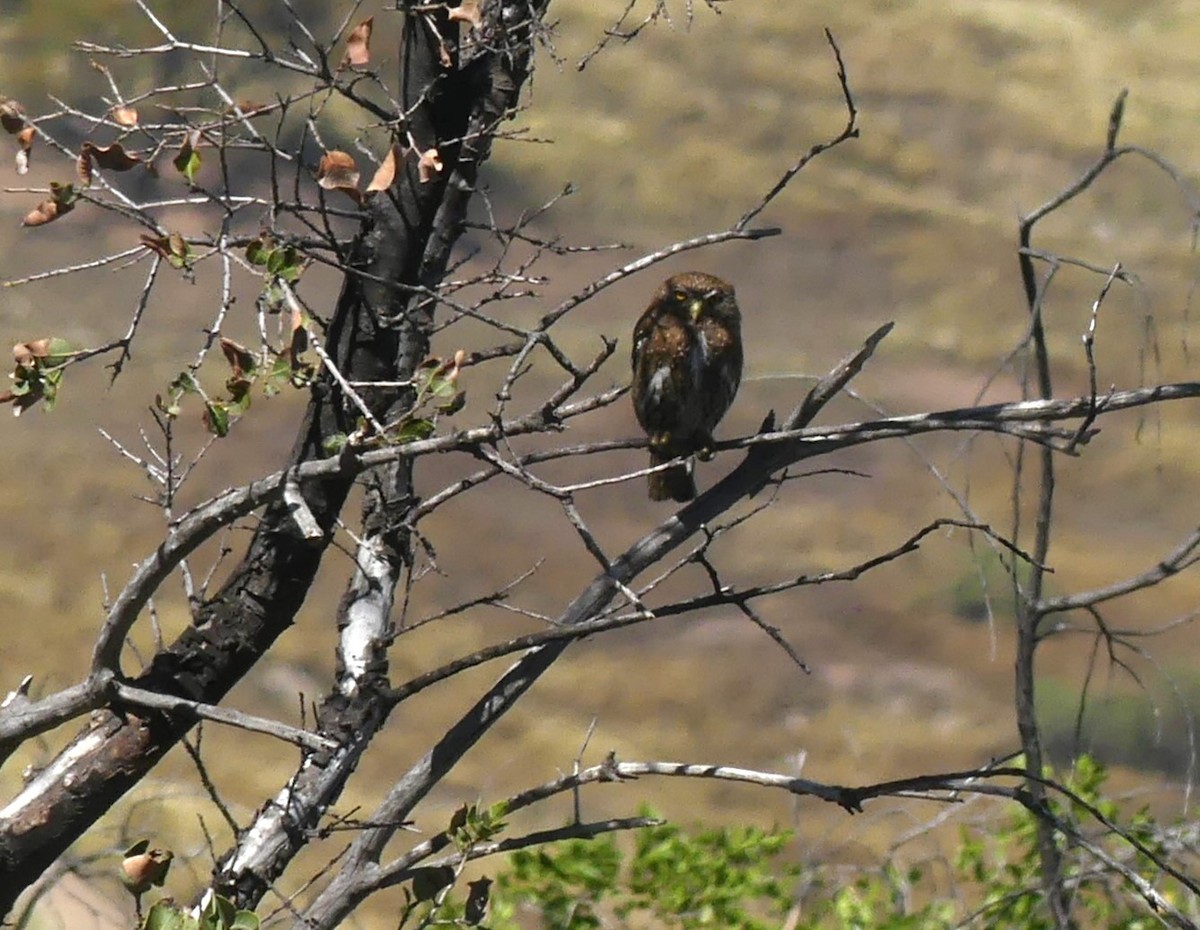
x: 49, y: 777
x: 368, y: 615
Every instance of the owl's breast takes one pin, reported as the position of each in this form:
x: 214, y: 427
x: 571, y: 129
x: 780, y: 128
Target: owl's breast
x: 699, y: 357
x: 658, y: 384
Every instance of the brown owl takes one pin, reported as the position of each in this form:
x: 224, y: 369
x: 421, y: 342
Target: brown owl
x: 687, y: 363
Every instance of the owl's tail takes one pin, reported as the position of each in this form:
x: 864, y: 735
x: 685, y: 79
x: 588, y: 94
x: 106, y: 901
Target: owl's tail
x: 672, y: 484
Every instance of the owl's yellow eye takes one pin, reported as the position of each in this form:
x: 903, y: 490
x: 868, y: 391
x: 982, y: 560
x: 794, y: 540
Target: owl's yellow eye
x: 679, y: 296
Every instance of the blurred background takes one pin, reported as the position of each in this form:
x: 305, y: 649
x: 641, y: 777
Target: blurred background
x: 971, y: 114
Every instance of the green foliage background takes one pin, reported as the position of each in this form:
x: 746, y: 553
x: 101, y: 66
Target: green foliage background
x: 741, y: 878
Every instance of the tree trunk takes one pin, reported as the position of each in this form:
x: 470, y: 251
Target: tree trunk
x: 379, y: 332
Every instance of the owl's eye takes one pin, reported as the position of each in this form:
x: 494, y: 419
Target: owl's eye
x: 679, y: 297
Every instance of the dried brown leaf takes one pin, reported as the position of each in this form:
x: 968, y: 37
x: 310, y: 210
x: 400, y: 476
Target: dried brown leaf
x: 299, y: 340
x: 386, y: 173
x: 61, y: 201
x: 467, y: 12
x: 112, y: 157
x: 12, y: 116
x: 338, y: 172
x: 144, y: 869
x: 156, y: 244
x: 248, y: 108
x: 125, y: 116
x: 26, y: 354
x: 240, y: 359
x: 45, y: 212
x: 168, y: 247
x: 83, y: 166
x: 358, y: 45
x: 429, y: 165
x: 25, y: 139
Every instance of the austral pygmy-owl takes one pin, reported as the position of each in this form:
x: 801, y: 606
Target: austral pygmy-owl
x: 687, y: 363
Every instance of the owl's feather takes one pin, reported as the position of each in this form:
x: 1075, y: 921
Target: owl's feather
x: 687, y: 364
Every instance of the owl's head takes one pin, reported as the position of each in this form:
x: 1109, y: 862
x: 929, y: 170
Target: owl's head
x: 695, y: 295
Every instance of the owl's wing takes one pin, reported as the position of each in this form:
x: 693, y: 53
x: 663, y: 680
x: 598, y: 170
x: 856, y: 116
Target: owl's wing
x: 724, y: 373
x: 641, y: 335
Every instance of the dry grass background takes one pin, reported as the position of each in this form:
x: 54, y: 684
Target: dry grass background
x: 971, y: 113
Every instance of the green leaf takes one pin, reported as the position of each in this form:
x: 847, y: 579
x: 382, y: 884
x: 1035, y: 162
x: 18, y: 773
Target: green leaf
x: 184, y: 383
x: 164, y: 915
x: 216, y: 418
x: 455, y: 404
x: 303, y: 375
x: 284, y: 263
x: 245, y: 920
x: 49, y: 394
x: 441, y: 386
x: 335, y: 443
x: 257, y: 252
x: 187, y: 162
x: 59, y: 352
x: 218, y: 913
x: 292, y: 265
x: 414, y: 429
x: 239, y: 401
x: 278, y: 374
x: 275, y: 261
x: 64, y: 195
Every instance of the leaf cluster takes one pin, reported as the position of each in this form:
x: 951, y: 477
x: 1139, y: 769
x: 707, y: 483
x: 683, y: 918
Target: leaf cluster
x: 38, y: 373
x: 218, y: 913
x: 742, y: 878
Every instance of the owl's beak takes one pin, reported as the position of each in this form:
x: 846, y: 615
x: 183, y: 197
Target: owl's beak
x: 695, y: 308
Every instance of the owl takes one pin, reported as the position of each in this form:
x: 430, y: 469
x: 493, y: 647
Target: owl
x: 687, y: 363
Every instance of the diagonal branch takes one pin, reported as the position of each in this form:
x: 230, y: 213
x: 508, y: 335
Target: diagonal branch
x: 345, y: 891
